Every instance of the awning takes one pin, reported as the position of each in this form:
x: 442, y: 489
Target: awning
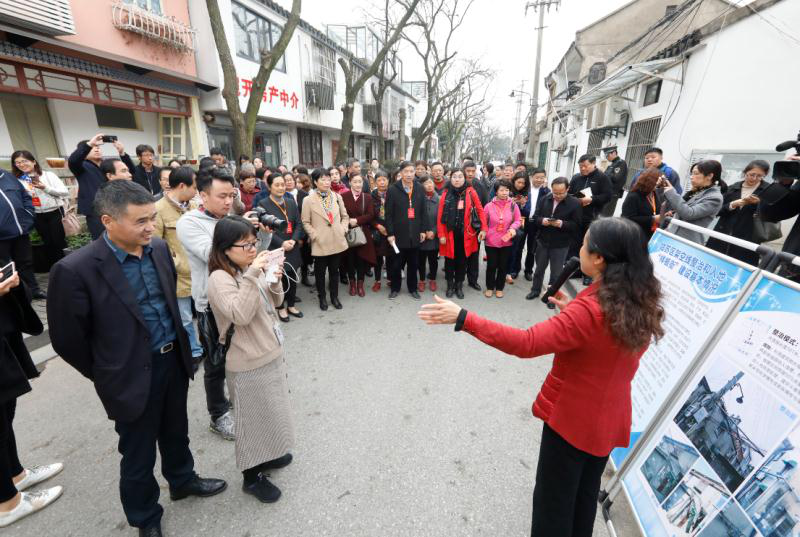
x: 619, y: 81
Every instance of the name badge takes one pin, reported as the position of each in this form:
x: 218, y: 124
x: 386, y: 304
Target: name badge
x: 278, y: 333
x: 411, y: 213
x: 460, y: 205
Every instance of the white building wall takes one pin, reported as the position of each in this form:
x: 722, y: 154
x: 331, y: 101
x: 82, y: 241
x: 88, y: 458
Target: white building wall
x: 6, y: 148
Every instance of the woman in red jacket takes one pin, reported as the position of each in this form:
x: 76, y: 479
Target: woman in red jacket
x: 585, y: 401
x: 457, y: 238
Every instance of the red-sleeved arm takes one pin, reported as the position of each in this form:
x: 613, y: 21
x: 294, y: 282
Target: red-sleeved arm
x: 568, y: 330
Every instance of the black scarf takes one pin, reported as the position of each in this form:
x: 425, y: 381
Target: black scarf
x: 692, y: 193
x: 450, y: 214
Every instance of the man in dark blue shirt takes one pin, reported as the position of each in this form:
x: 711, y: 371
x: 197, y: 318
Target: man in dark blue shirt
x: 114, y: 317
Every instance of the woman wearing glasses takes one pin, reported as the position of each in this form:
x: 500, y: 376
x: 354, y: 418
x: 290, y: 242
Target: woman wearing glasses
x: 255, y: 368
x: 739, y: 206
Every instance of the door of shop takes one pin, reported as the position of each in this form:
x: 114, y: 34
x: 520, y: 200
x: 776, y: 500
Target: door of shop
x: 29, y: 125
x: 266, y: 146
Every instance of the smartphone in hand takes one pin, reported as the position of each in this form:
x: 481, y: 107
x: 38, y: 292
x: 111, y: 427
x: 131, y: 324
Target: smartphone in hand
x: 6, y: 271
x: 109, y: 139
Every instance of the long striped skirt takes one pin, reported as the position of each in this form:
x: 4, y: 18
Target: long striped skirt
x: 264, y: 428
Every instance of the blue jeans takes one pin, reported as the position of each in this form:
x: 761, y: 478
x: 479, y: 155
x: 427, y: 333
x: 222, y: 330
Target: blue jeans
x: 185, y: 308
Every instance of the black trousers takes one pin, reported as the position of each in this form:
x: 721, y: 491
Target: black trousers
x: 51, y: 229
x: 546, y: 255
x: 331, y: 264
x: 531, y: 233
x: 9, y: 459
x: 213, y: 376
x: 308, y: 260
x: 473, y: 265
x: 356, y: 266
x: 291, y: 288
x: 408, y: 258
x: 455, y: 269
x: 517, y: 246
x: 163, y: 423
x: 19, y: 251
x: 567, y: 488
x: 497, y: 267
x: 577, y: 241
x: 379, y: 262
x: 96, y: 227
x: 431, y: 259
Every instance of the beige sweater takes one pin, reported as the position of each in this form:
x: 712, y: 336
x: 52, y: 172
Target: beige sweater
x: 239, y: 301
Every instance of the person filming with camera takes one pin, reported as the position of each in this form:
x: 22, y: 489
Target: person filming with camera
x: 585, y: 402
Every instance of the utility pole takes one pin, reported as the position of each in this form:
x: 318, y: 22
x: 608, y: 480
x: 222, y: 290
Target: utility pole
x: 519, y: 94
x: 533, y: 138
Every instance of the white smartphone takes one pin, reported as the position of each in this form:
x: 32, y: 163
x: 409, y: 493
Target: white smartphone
x: 6, y: 271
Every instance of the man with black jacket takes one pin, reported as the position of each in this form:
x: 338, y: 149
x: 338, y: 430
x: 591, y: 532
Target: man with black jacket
x: 473, y: 264
x: 617, y: 173
x: 407, y: 226
x: 559, y: 218
x: 781, y: 201
x: 16, y: 222
x: 146, y: 173
x: 84, y: 163
x: 592, y: 200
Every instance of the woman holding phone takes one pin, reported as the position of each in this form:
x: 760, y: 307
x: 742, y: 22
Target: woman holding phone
x: 585, y: 402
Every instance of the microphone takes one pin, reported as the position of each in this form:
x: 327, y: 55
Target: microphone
x: 785, y: 146
x: 569, y: 269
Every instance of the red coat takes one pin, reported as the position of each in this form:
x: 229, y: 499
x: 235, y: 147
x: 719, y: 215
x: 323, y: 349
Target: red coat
x: 586, y: 397
x: 470, y: 235
x: 363, y: 211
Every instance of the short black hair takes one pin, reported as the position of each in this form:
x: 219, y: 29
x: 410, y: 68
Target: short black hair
x: 468, y: 164
x: 405, y: 164
x: 162, y: 170
x: 437, y: 163
x: 317, y: 173
x: 352, y: 161
x: 420, y: 162
x: 301, y: 169
x: 489, y: 167
x: 109, y: 166
x: 560, y: 181
x: 113, y: 198
x: 181, y: 174
x: 503, y: 183
x: 205, y: 180
x: 144, y: 148
x: 534, y: 171
x: 588, y: 157
x: 215, y: 151
x: 655, y: 150
x: 205, y: 163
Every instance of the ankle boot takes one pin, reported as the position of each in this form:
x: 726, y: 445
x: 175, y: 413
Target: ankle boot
x: 335, y: 302
x: 352, y: 288
x: 451, y: 289
x: 360, y: 288
x: 460, y: 291
x: 323, y: 304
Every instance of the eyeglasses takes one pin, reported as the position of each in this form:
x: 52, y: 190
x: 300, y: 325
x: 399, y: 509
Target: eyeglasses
x: 247, y: 246
x: 21, y: 161
x: 751, y: 175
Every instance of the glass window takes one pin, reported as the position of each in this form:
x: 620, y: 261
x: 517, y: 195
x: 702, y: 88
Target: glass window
x: 115, y: 118
x: 149, y: 5
x: 325, y: 64
x: 310, y: 145
x: 172, y: 137
x: 253, y: 34
x: 652, y: 92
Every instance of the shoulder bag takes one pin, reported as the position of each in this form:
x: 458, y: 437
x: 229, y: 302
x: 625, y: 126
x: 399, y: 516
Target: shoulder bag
x: 355, y: 235
x: 765, y: 231
x: 474, y: 218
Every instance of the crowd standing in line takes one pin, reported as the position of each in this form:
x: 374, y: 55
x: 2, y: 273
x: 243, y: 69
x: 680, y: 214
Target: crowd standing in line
x: 175, y: 244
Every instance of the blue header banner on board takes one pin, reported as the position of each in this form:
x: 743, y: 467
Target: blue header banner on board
x: 700, y: 287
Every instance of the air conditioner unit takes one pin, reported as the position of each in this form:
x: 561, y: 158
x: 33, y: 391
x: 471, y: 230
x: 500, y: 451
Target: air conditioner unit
x: 610, y: 113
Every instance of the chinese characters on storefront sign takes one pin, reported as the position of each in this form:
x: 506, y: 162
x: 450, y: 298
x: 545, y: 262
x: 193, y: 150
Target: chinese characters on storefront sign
x: 271, y: 94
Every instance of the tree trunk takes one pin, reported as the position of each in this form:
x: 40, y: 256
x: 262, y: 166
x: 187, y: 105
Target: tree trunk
x: 401, y: 136
x: 347, y: 129
x: 415, y: 148
x: 381, y: 139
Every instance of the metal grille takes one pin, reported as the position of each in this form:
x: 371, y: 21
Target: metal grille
x: 542, y: 155
x: 53, y: 17
x: 325, y: 64
x: 643, y: 136
x: 595, y: 142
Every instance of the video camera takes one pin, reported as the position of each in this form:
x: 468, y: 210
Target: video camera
x: 787, y: 171
x: 269, y: 220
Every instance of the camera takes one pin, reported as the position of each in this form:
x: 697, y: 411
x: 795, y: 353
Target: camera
x: 109, y: 139
x: 787, y: 171
x: 269, y: 220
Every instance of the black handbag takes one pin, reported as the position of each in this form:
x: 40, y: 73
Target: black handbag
x: 474, y: 219
x: 209, y: 337
x: 221, y: 351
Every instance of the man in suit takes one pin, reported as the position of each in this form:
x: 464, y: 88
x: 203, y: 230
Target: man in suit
x: 538, y: 191
x: 114, y: 317
x: 558, y: 217
x: 592, y: 201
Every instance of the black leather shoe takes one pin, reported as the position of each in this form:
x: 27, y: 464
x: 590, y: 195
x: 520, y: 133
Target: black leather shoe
x: 415, y: 295
x: 323, y: 304
x: 284, y: 319
x: 460, y: 290
x: 298, y: 313
x: 152, y: 531
x: 39, y: 295
x: 262, y: 489
x: 451, y: 290
x: 335, y: 302
x: 198, y: 486
x: 532, y: 295
x: 529, y: 276
x: 476, y: 286
x: 393, y: 295
x: 280, y: 462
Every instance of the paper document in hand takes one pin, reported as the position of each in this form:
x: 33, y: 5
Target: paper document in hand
x: 587, y: 192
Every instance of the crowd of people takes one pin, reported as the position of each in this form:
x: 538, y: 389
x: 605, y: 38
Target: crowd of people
x: 237, y: 241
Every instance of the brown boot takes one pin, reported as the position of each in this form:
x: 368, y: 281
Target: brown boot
x: 360, y: 288
x: 352, y: 288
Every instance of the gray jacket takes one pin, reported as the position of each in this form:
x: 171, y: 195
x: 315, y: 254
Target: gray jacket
x: 700, y: 210
x: 195, y: 231
x: 432, y: 208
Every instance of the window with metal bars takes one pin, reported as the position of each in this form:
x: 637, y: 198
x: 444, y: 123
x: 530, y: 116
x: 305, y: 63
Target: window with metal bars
x: 595, y: 143
x: 542, y: 155
x: 643, y: 136
x: 309, y: 143
x: 325, y: 64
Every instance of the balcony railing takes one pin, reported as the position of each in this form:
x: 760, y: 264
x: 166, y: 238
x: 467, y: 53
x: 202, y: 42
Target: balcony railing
x: 166, y: 30
x: 320, y: 95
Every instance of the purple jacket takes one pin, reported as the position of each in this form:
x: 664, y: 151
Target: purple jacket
x: 500, y: 217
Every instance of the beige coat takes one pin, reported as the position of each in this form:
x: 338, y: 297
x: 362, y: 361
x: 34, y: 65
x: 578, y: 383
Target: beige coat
x: 326, y: 238
x: 168, y: 213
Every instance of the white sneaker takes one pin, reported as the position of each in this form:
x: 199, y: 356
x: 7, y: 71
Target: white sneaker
x: 36, y: 474
x: 30, y: 503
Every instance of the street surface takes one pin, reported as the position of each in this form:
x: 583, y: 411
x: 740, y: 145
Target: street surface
x: 402, y: 430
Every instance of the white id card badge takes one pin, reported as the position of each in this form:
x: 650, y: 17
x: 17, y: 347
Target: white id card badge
x: 278, y: 334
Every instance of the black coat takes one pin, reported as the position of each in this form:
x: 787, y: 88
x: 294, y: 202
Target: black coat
x: 140, y: 176
x: 636, y: 207
x: 601, y: 192
x: 569, y: 211
x: 737, y: 223
x: 406, y: 231
x: 96, y: 325
x: 278, y: 237
x: 16, y: 366
x: 89, y: 176
x: 482, y: 191
x: 617, y: 173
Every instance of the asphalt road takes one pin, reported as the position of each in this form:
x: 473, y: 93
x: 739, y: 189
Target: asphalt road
x: 402, y: 430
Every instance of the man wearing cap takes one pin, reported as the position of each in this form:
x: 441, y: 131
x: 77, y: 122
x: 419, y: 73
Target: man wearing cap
x: 617, y: 173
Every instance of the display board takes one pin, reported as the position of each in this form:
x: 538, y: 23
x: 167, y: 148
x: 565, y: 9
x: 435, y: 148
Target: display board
x: 700, y: 288
x: 725, y: 460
